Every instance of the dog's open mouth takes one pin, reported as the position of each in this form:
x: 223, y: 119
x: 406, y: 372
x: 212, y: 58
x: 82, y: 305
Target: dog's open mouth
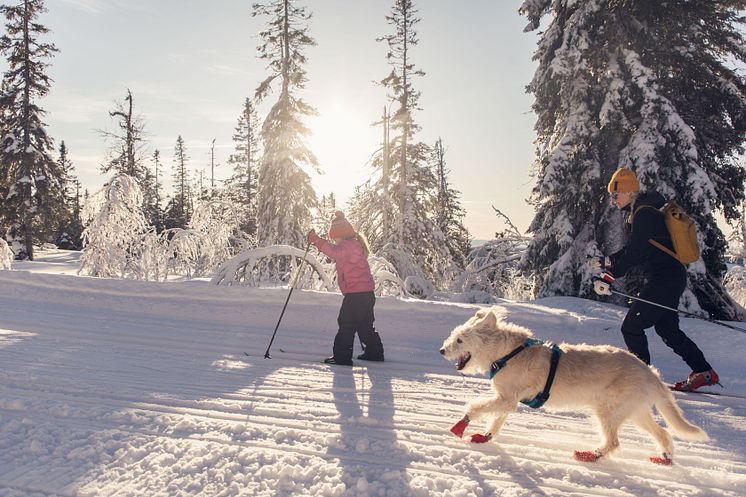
x: 462, y: 361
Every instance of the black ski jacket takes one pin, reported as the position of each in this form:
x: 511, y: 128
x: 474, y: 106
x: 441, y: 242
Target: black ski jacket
x: 644, y: 224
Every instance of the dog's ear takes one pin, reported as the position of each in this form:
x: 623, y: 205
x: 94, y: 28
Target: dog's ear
x: 490, y: 320
x: 481, y: 313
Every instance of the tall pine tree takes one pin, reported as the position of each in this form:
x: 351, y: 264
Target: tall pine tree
x: 69, y: 227
x: 448, y: 211
x: 30, y: 180
x: 396, y: 207
x: 178, y: 211
x: 647, y: 85
x: 242, y: 185
x: 152, y: 192
x: 285, y: 197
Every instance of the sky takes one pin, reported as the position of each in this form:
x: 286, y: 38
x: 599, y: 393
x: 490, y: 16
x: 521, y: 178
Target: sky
x: 191, y: 64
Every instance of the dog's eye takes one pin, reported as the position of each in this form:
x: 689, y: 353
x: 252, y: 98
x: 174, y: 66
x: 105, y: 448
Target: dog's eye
x: 458, y: 340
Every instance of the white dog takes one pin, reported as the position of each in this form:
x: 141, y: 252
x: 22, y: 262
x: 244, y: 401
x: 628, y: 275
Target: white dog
x: 611, y: 382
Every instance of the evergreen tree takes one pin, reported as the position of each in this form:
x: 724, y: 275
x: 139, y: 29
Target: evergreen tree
x: 69, y: 227
x: 151, y: 191
x: 396, y: 208
x: 286, y: 196
x: 179, y: 209
x: 242, y: 186
x: 128, y: 143
x: 647, y: 85
x: 448, y: 211
x: 30, y: 180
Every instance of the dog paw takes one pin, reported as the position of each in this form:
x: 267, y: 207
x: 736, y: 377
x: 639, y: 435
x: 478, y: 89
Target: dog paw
x: 478, y: 438
x: 459, y: 428
x: 586, y: 455
x: 663, y: 460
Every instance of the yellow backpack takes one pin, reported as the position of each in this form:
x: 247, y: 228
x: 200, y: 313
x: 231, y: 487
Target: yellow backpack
x: 682, y: 230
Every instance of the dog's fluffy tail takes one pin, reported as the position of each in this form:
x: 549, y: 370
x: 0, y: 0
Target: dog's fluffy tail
x: 671, y: 412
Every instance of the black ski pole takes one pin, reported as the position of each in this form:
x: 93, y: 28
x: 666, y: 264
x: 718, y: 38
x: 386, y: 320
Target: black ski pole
x: 292, y: 287
x: 715, y: 321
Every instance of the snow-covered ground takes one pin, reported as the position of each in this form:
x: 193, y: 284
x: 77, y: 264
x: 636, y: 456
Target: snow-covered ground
x: 129, y: 388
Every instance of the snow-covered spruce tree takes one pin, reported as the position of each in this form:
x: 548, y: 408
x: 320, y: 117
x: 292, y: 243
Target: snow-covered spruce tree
x: 647, y: 85
x: 127, y: 150
x: 115, y: 228
x: 29, y: 177
x: 242, y: 185
x: 285, y: 197
x: 396, y: 208
x: 448, y: 210
x: 179, y: 209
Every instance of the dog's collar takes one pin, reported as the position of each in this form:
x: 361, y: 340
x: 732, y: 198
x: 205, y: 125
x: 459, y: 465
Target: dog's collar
x: 542, y: 396
x: 496, y: 366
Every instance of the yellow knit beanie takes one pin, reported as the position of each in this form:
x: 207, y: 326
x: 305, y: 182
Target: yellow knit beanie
x: 623, y: 181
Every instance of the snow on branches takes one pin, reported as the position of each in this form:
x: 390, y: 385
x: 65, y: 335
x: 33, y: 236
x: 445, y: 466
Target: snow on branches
x: 6, y: 255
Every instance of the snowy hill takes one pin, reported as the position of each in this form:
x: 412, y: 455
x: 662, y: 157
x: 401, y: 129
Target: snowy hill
x: 128, y: 388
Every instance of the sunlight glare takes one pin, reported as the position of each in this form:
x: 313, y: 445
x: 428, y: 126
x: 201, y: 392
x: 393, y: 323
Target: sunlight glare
x: 343, y: 141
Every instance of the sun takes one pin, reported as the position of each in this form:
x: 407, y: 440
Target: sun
x: 343, y: 140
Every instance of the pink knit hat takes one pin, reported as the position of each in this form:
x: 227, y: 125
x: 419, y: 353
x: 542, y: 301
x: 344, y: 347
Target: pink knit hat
x: 341, y: 227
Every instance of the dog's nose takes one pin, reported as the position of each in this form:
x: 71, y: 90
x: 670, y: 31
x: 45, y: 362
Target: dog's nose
x: 442, y: 351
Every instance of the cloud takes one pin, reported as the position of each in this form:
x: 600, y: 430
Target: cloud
x: 99, y: 6
x: 69, y: 107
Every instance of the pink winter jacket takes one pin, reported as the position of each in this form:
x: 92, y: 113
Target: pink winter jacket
x: 353, y: 271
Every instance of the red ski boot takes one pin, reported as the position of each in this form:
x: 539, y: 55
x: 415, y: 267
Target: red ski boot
x: 697, y: 380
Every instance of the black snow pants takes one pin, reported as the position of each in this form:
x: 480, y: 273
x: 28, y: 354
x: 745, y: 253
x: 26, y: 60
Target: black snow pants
x: 666, y: 291
x: 356, y: 316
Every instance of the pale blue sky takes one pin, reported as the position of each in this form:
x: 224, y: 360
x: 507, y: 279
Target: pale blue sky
x: 190, y: 64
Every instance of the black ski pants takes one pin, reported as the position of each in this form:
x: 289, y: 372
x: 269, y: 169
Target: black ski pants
x: 665, y: 291
x: 356, y: 316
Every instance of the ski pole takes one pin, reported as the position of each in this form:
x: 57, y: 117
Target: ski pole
x: 292, y: 287
x: 715, y: 321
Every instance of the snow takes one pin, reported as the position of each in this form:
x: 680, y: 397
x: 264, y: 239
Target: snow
x: 131, y: 388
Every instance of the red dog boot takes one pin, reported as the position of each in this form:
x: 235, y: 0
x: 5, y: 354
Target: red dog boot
x: 478, y: 438
x: 459, y: 428
x: 663, y: 460
x: 586, y: 455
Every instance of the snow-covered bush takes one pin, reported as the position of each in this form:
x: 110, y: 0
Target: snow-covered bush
x: 6, y: 255
x: 272, y: 266
x: 419, y: 287
x: 384, y: 274
x: 277, y: 264
x: 207, y: 241
x: 735, y: 284
x: 493, y: 268
x: 114, y: 227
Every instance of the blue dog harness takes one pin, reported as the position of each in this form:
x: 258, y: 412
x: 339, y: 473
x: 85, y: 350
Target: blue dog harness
x: 542, y: 396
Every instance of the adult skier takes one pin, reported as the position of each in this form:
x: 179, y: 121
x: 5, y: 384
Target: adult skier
x: 665, y: 279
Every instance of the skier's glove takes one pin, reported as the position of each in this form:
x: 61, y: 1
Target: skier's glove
x: 598, y: 264
x: 602, y: 285
x: 311, y: 237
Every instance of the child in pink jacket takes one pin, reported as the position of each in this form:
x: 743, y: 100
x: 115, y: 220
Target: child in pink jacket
x: 350, y: 253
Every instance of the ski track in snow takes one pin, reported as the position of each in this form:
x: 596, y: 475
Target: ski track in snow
x: 122, y: 388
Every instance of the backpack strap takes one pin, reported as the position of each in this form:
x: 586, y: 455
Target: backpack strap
x: 655, y: 243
